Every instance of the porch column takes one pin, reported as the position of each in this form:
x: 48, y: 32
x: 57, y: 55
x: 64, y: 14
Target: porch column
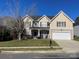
x: 38, y: 33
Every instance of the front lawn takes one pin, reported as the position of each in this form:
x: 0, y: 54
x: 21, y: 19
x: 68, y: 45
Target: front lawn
x: 29, y: 42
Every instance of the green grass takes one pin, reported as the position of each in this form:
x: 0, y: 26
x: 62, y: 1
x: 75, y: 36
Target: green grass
x: 30, y: 49
x: 24, y: 43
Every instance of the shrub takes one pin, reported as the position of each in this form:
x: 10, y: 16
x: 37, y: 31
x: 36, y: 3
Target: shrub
x: 76, y: 37
x: 5, y: 34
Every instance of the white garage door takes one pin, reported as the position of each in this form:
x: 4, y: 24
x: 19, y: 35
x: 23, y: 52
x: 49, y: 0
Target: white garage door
x: 61, y: 36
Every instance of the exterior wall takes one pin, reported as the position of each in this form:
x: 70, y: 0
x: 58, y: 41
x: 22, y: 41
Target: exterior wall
x: 35, y: 24
x: 44, y: 21
x: 28, y: 20
x: 61, y: 17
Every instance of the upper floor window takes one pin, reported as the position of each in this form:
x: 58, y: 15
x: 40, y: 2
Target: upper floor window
x: 40, y: 23
x: 29, y: 23
x: 61, y: 24
x: 44, y: 24
x: 48, y: 24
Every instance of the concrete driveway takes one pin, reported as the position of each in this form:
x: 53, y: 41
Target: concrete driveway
x: 69, y: 46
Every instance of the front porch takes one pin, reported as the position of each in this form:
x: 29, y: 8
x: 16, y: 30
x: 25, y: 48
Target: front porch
x: 40, y: 33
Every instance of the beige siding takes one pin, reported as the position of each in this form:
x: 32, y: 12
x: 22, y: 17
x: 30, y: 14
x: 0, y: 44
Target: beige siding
x: 28, y: 20
x: 61, y: 17
x: 44, y: 20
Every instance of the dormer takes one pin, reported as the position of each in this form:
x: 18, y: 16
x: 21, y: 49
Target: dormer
x: 44, y: 21
x: 28, y: 21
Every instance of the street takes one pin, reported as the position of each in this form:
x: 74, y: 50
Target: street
x: 39, y: 56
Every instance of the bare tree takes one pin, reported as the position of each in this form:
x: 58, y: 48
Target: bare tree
x: 32, y: 11
x: 17, y: 24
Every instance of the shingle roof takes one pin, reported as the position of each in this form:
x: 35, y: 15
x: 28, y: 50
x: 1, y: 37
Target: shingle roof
x: 37, y: 17
x: 64, y: 15
x: 50, y: 17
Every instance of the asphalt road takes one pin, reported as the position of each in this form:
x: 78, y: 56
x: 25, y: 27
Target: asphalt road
x: 39, y: 56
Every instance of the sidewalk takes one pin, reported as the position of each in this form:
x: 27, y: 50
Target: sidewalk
x: 14, y: 52
x: 31, y: 51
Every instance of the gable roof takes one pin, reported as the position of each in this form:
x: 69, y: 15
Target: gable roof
x: 35, y: 17
x: 25, y: 17
x: 50, y: 17
x: 64, y: 15
x: 43, y: 17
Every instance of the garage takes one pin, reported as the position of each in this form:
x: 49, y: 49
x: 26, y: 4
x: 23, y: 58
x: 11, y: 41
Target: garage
x: 61, y: 36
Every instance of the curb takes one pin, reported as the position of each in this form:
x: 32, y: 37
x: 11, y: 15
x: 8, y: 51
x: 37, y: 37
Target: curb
x: 14, y: 52
x: 39, y: 51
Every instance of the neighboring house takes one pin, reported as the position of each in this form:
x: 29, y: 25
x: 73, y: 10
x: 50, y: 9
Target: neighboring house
x: 76, y: 30
x: 59, y: 27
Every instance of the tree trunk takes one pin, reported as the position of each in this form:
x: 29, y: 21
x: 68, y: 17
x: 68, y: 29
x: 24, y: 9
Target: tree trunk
x: 19, y: 36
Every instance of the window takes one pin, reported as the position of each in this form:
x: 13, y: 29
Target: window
x: 29, y: 23
x: 44, y: 24
x: 61, y: 24
x: 40, y: 23
x: 48, y: 24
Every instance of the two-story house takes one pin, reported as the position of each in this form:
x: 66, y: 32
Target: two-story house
x: 59, y: 27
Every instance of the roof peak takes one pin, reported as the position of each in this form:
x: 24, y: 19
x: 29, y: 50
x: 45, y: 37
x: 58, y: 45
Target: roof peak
x: 61, y: 11
x: 26, y: 15
x: 44, y: 15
